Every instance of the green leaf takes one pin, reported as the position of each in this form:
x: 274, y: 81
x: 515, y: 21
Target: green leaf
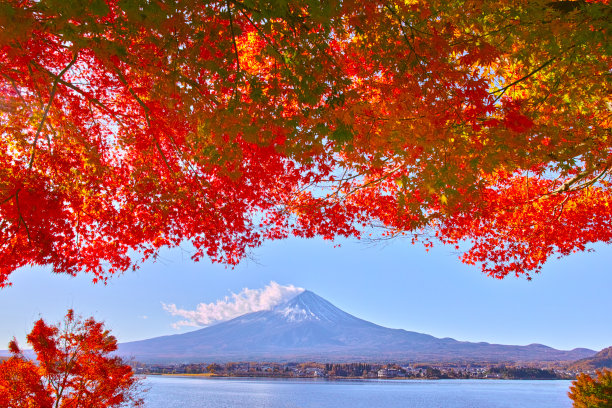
x: 99, y: 7
x: 342, y: 135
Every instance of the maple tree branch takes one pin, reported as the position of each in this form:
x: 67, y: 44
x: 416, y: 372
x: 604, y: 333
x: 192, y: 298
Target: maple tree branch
x: 244, y: 6
x: 391, y: 119
x: 266, y: 39
x: 401, y: 25
x: 197, y: 86
x: 505, y: 88
x: 21, y: 220
x: 340, y: 184
x: 568, y: 185
x: 361, y: 187
x: 186, y: 160
x: 238, y: 70
x: 561, y: 207
x: 68, y: 364
x: 35, y: 86
x: 46, y: 111
x: 146, y: 112
x: 376, y: 181
x: 592, y: 181
x: 89, y: 97
x: 476, y: 36
x: 16, y: 89
x: 299, y: 19
x: 566, y: 6
x: 231, y: 21
x: 7, y: 199
x: 402, y: 22
x: 557, y: 82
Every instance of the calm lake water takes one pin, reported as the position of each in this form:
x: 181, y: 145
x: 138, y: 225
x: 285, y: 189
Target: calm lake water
x: 169, y: 392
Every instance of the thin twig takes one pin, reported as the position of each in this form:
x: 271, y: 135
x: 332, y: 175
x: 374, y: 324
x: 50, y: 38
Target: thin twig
x: 505, y: 88
x: 401, y: 25
x: 561, y: 207
x: 238, y: 70
x: 145, y: 108
x: 266, y: 39
x: 46, y: 111
x: 89, y: 97
x: 21, y: 220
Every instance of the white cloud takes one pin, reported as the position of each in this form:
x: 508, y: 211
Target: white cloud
x: 247, y: 301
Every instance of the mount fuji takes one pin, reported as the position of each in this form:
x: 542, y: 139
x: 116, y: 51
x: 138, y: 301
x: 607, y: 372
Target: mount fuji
x: 309, y: 328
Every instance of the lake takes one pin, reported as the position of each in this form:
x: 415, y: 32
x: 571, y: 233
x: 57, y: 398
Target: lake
x: 186, y: 392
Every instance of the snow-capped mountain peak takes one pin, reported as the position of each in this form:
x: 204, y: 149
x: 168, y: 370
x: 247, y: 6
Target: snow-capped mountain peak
x: 310, y: 307
x: 309, y: 328
x: 296, y: 314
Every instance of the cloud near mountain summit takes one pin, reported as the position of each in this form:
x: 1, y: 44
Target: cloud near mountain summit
x: 237, y: 304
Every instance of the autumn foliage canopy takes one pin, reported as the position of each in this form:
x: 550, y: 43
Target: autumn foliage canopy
x: 74, y: 369
x: 131, y: 125
x: 592, y: 392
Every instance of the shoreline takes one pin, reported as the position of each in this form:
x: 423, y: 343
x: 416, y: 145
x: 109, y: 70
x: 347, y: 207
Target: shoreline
x: 270, y: 377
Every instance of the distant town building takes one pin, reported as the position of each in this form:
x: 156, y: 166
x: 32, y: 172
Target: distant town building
x: 387, y: 373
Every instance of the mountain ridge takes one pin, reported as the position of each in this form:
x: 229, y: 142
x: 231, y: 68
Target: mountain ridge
x: 308, y: 327
x: 603, y: 359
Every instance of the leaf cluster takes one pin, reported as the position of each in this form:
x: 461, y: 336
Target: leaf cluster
x: 128, y: 126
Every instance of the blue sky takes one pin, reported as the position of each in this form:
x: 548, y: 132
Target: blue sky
x: 396, y: 285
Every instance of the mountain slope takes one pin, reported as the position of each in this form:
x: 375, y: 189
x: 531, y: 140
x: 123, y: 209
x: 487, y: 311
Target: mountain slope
x: 603, y: 359
x: 308, y: 327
